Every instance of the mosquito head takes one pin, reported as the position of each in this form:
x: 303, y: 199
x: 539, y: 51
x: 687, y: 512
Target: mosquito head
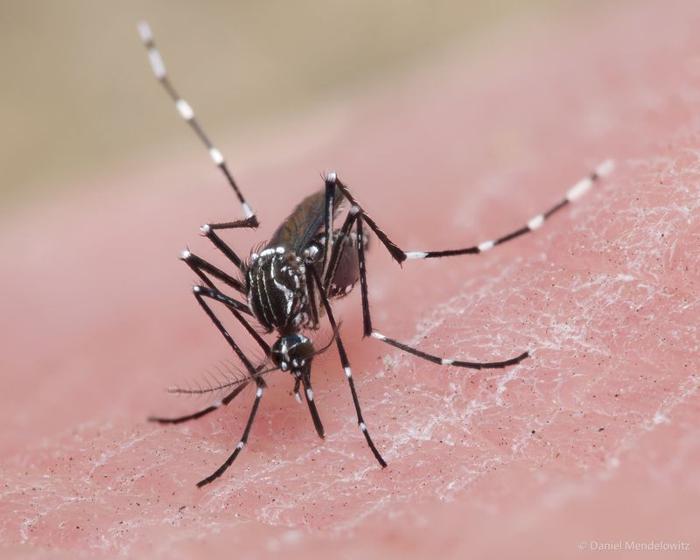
x: 292, y: 351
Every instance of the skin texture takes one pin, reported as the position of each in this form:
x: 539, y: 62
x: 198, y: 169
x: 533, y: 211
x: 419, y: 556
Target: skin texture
x: 592, y: 440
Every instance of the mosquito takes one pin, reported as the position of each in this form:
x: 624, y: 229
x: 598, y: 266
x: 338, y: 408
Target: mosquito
x: 287, y: 286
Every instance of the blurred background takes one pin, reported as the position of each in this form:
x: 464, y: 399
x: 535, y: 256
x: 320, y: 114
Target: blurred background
x: 78, y: 99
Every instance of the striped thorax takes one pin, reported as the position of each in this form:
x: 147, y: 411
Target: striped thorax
x: 277, y: 290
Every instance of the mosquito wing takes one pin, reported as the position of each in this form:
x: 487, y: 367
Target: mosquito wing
x: 304, y: 223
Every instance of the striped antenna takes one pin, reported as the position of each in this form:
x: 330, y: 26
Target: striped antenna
x: 186, y: 112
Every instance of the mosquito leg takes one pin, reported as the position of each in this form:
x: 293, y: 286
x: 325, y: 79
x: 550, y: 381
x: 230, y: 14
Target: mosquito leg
x: 337, y: 249
x: 396, y: 253
x: 223, y: 402
x: 366, y: 317
x: 200, y: 292
x: 308, y: 391
x: 369, y: 331
x: 346, y: 367
x: 186, y: 112
x: 297, y: 384
x: 328, y: 218
x: 244, y: 438
x: 399, y: 255
x: 209, y: 231
x: 200, y: 267
x: 449, y: 361
x: 235, y: 307
x: 312, y: 298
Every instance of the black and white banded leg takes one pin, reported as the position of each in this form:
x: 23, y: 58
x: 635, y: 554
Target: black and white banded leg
x: 309, y: 394
x: 186, y: 112
x: 244, y: 438
x: 201, y: 292
x: 345, y: 363
x: 573, y: 194
x: 211, y: 408
x: 209, y: 231
x: 201, y: 268
x: 357, y: 217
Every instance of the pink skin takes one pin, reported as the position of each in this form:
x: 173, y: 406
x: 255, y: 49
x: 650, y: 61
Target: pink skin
x: 592, y: 439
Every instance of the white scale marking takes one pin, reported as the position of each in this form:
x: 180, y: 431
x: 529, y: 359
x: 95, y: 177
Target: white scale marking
x: 378, y: 335
x: 247, y: 210
x: 348, y: 372
x: 288, y: 294
x: 184, y: 109
x: 485, y: 246
x: 579, y: 189
x: 447, y: 362
x: 414, y: 255
x: 185, y: 254
x: 241, y: 445
x: 331, y: 177
x: 145, y: 31
x: 216, y: 156
x: 157, y: 64
x: 310, y: 394
x: 259, y: 392
x: 536, y: 222
x: 363, y: 427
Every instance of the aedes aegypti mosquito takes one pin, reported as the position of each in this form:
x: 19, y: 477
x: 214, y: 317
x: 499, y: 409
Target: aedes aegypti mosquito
x: 289, y: 284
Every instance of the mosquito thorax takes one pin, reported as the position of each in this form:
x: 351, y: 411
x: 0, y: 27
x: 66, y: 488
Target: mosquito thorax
x: 292, y: 351
x: 277, y: 293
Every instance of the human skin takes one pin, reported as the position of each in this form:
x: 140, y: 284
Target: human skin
x: 592, y: 440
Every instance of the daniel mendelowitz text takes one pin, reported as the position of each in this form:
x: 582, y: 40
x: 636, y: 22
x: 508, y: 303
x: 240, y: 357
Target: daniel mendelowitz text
x: 634, y: 546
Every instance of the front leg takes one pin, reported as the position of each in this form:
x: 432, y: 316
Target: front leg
x: 209, y: 231
x: 202, y: 268
x: 244, y: 438
x: 201, y: 292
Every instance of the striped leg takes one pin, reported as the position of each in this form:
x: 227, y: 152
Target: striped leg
x: 187, y: 114
x: 449, y: 361
x: 309, y: 392
x: 235, y: 307
x: 201, y: 268
x: 223, y: 402
x: 346, y: 367
x: 369, y: 331
x: 209, y: 231
x: 295, y: 392
x: 244, y: 438
x: 573, y: 194
x: 201, y: 292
